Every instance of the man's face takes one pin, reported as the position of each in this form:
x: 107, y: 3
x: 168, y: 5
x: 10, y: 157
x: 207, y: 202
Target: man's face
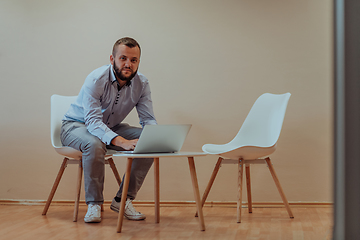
x: 125, y: 62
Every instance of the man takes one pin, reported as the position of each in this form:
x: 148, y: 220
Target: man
x: 94, y: 123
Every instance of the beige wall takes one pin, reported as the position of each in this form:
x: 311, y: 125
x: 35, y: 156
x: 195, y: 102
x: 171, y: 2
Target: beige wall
x: 207, y: 62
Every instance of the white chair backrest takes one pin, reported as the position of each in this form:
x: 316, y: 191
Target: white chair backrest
x: 59, y: 106
x: 263, y: 124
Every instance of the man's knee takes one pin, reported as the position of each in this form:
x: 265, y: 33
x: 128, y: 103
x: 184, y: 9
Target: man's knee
x: 137, y: 132
x: 128, y: 132
x: 95, y: 146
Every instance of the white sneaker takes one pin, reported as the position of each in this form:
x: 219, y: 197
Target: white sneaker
x: 93, y: 214
x: 130, y: 212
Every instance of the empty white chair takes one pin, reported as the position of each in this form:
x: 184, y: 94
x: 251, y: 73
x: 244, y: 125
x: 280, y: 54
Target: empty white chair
x: 59, y: 106
x: 256, y: 139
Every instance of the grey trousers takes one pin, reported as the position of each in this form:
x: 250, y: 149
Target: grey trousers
x: 75, y: 134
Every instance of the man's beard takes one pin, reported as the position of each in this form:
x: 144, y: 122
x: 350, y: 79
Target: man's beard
x: 119, y: 74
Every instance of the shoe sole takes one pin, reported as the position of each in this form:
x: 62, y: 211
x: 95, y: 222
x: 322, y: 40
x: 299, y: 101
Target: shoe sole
x: 115, y: 209
x: 92, y: 220
x: 134, y: 218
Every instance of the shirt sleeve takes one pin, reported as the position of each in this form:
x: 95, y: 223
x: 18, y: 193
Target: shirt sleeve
x: 144, y: 107
x: 93, y: 117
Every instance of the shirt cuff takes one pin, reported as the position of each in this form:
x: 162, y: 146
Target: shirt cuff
x: 148, y: 122
x: 108, y: 137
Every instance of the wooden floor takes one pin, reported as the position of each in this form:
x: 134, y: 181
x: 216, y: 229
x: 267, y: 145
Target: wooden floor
x: 26, y: 222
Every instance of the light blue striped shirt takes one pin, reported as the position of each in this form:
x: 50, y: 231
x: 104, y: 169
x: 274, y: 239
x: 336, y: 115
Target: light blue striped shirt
x: 101, y: 106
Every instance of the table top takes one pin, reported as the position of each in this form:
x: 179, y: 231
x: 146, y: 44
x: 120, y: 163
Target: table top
x: 158, y: 155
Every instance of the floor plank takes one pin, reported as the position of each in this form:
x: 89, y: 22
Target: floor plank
x: 26, y: 222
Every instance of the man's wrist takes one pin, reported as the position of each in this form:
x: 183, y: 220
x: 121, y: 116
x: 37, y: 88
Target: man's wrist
x: 118, y: 141
x: 112, y: 141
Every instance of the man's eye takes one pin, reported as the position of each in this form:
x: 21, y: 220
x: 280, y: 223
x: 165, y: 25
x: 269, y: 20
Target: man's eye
x: 134, y: 61
x: 122, y: 58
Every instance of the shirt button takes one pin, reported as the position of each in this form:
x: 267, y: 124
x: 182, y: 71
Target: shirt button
x: 112, y: 113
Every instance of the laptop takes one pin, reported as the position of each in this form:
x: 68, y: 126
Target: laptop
x: 161, y: 139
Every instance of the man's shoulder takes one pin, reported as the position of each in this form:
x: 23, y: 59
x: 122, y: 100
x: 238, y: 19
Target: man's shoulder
x: 141, y: 78
x: 100, y: 72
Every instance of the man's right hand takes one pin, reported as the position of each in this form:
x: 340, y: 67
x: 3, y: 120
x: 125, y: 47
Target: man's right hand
x: 124, y: 143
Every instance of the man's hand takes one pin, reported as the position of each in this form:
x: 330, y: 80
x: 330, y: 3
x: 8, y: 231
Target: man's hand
x: 124, y: 143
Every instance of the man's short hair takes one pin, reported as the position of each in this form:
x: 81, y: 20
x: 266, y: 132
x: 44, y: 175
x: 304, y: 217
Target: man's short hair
x: 127, y: 41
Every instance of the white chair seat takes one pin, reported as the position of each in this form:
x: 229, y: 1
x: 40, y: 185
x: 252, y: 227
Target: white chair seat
x: 244, y: 152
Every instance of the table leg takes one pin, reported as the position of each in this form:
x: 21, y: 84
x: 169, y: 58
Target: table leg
x: 157, y: 190
x: 196, y: 192
x: 124, y: 194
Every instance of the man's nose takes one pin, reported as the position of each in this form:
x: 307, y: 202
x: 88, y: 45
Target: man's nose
x: 128, y: 63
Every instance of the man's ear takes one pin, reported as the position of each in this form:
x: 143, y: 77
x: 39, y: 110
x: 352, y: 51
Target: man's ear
x: 112, y: 59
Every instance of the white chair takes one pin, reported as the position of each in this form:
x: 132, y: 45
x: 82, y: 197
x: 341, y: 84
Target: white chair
x: 256, y: 138
x: 59, y: 106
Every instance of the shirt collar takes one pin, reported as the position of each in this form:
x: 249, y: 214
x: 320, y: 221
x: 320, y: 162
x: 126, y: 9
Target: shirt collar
x: 112, y: 75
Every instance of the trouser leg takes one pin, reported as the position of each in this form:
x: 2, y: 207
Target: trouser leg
x: 139, y: 170
x: 76, y: 135
x: 139, y: 167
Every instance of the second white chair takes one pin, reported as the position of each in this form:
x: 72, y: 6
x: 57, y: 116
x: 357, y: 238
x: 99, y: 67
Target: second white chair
x: 256, y: 138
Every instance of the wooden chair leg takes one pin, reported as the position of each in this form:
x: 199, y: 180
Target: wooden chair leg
x: 240, y: 182
x: 211, y: 181
x: 78, y: 190
x: 248, y: 185
x: 114, y: 169
x: 277, y: 183
x: 55, y: 185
